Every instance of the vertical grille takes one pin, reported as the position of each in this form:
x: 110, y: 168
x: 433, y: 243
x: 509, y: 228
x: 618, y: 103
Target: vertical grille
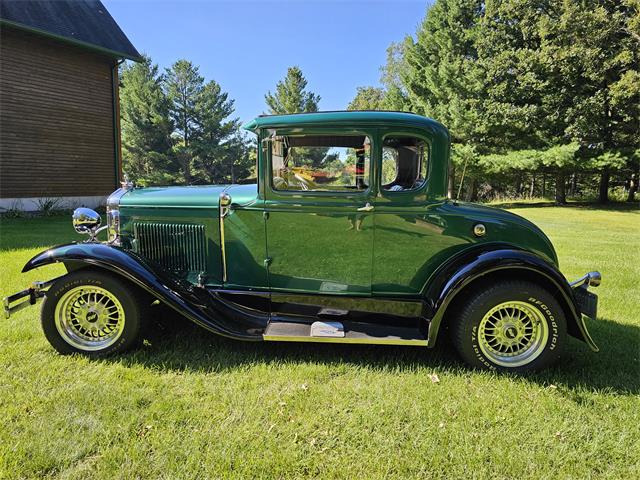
x: 177, y: 247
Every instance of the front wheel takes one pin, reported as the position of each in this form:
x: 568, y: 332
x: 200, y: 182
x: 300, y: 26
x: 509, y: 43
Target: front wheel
x: 511, y: 325
x: 91, y: 312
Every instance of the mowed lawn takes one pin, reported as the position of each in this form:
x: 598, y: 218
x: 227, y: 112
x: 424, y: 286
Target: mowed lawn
x: 192, y: 405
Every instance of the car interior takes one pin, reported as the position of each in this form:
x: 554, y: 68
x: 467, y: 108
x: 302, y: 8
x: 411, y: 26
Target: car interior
x: 404, y: 163
x: 320, y: 162
x: 339, y: 163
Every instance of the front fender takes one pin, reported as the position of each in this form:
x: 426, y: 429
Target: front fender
x: 460, y: 272
x: 195, y: 303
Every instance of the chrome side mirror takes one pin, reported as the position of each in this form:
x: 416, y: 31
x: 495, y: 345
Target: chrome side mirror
x: 86, y: 222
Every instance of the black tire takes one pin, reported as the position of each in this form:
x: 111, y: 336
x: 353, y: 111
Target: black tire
x: 130, y: 311
x: 487, y: 343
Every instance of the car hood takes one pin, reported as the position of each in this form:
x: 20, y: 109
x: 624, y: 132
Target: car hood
x: 200, y: 196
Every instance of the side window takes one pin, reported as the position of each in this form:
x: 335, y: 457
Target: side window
x: 405, y: 163
x: 320, y: 163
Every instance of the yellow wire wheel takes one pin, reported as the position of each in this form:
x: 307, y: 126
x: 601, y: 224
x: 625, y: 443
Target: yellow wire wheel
x: 513, y: 334
x: 89, y: 318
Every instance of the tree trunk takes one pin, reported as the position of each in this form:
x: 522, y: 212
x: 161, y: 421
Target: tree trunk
x: 603, y: 196
x: 533, y: 185
x: 471, y: 193
x: 519, y: 185
x: 633, y: 187
x: 574, y: 184
x: 544, y: 184
x: 186, y: 166
x: 452, y: 180
x: 474, y: 190
x: 561, y: 196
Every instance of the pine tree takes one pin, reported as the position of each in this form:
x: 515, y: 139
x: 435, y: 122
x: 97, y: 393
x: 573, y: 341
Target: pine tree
x: 204, y: 137
x: 184, y: 86
x: 533, y: 74
x: 146, y: 126
x: 442, y: 74
x: 216, y: 141
x: 597, y: 62
x: 443, y: 79
x: 291, y: 95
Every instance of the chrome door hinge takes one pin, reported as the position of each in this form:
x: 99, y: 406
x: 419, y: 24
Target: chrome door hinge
x: 267, y: 262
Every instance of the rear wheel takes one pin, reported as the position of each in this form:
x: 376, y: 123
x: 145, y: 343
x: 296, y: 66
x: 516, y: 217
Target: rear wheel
x: 511, y: 325
x: 93, y: 313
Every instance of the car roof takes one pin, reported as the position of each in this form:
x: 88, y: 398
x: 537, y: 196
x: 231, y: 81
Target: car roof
x: 344, y: 117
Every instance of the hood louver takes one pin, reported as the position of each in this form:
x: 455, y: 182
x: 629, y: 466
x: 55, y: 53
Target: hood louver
x: 177, y: 247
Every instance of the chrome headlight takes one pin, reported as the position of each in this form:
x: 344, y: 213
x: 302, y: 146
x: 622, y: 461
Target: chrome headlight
x: 86, y: 221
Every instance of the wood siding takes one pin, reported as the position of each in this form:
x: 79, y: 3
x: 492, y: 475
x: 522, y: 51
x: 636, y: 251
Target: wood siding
x: 56, y: 119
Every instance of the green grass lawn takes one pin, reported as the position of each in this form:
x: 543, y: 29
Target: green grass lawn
x: 192, y: 405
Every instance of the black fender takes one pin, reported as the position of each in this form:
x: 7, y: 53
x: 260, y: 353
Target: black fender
x: 207, y: 309
x: 493, y: 262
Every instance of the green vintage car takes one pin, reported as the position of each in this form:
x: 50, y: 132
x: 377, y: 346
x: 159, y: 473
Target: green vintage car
x: 346, y: 237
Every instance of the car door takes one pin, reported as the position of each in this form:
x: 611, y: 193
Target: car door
x: 319, y: 219
x: 410, y: 230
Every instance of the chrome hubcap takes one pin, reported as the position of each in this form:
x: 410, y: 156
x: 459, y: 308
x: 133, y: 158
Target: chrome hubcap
x: 89, y: 318
x: 512, y: 334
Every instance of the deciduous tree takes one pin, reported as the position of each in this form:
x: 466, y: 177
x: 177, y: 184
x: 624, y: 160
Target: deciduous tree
x: 368, y: 98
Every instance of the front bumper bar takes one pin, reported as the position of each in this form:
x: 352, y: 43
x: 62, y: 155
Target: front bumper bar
x: 32, y: 294
x: 587, y: 303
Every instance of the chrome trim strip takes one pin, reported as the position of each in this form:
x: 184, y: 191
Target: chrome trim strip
x: 225, y: 208
x: 363, y: 341
x: 113, y: 201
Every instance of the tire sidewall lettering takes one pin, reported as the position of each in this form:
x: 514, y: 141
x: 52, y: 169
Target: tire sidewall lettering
x: 553, y: 340
x: 476, y: 349
x: 75, y: 283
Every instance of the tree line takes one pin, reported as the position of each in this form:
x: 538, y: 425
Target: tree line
x: 541, y: 97
x: 538, y: 95
x: 178, y: 129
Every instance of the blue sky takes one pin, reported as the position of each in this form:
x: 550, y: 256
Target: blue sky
x: 247, y: 46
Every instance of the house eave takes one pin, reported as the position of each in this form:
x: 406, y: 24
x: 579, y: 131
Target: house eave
x: 71, y: 41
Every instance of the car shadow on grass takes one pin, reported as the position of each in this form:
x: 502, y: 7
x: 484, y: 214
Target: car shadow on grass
x: 186, y: 347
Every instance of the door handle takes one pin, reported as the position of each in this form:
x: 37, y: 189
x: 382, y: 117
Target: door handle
x: 367, y: 208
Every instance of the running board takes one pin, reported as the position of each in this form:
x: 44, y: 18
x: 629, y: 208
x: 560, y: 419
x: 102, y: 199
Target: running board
x: 339, y: 332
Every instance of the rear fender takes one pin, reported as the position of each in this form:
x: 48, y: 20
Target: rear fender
x: 197, y: 304
x: 459, y: 273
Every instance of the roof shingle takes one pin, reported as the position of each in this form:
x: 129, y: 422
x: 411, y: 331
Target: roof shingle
x: 84, y: 22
